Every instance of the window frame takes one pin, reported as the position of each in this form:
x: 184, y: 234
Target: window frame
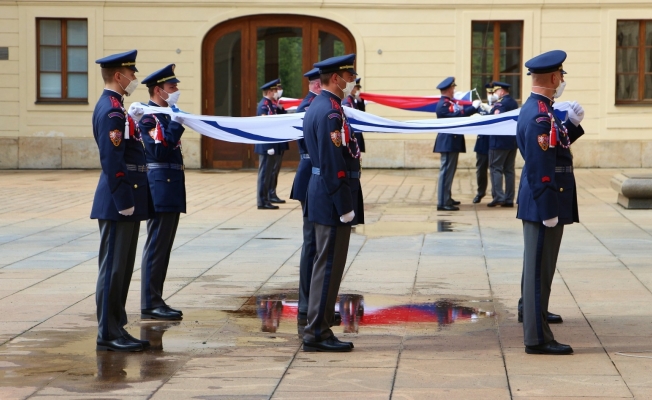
x: 641, y: 64
x: 496, y: 50
x: 64, y: 63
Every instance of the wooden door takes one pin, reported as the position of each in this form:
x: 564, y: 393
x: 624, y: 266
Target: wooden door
x: 242, y: 54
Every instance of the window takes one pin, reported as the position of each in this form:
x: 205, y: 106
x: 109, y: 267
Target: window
x: 634, y: 62
x: 62, y: 60
x: 496, y: 54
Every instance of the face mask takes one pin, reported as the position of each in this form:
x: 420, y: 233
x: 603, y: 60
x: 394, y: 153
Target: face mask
x: 131, y: 87
x: 173, y: 98
x: 280, y: 93
x: 559, y: 90
x: 348, y: 88
x: 492, y: 98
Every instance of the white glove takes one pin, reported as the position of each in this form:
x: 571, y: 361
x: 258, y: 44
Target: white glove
x: 576, y: 113
x: 552, y: 222
x: 348, y: 217
x: 270, y: 152
x: 178, y: 119
x: 476, y: 104
x: 127, y: 212
x: 485, y: 107
x: 136, y: 112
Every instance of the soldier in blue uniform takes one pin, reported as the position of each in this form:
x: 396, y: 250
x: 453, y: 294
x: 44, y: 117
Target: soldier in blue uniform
x: 481, y: 150
x: 299, y: 192
x: 449, y: 145
x: 334, y: 200
x: 268, y: 153
x: 547, y: 198
x: 502, y: 152
x: 122, y: 200
x: 359, y: 102
x: 279, y: 150
x: 162, y: 138
x: 354, y: 101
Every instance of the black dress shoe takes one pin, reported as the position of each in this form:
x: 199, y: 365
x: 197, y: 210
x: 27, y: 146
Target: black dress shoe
x: 509, y: 205
x: 495, y: 203
x: 161, y: 313
x: 276, y: 200
x: 477, y: 199
x: 455, y: 202
x: 347, y: 343
x: 144, y: 343
x: 447, y: 208
x: 119, y: 344
x: 329, y: 345
x: 173, y: 310
x: 552, y: 318
x: 268, y: 206
x: 552, y: 348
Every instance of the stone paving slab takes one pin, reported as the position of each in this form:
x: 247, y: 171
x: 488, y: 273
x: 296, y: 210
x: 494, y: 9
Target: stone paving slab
x: 429, y: 298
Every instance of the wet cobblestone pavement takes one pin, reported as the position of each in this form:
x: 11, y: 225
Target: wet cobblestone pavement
x: 429, y: 298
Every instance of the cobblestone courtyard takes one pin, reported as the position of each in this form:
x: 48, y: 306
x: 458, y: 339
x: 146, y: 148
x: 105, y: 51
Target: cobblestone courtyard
x: 429, y: 298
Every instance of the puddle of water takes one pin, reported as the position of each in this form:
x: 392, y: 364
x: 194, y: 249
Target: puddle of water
x: 274, y: 310
x: 405, y: 228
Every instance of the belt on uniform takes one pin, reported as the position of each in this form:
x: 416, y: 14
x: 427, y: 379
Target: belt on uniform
x: 305, y: 156
x: 134, y: 167
x: 349, y: 174
x: 179, y: 167
x: 561, y: 170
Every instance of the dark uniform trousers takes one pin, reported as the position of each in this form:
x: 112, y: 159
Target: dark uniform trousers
x: 332, y: 248
x: 502, y: 162
x: 539, y: 264
x: 118, y: 243
x: 161, y: 231
x: 277, y: 160
x: 481, y: 168
x: 446, y: 175
x: 265, y: 171
x: 308, y: 251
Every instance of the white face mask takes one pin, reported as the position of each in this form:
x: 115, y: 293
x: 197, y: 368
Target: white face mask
x: 279, y: 94
x: 131, y: 87
x: 348, y: 88
x: 492, y: 98
x: 560, y: 90
x: 173, y: 98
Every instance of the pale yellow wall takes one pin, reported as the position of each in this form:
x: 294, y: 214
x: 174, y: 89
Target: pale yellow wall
x: 9, y: 96
x: 422, y: 41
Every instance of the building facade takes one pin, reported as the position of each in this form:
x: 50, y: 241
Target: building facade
x: 224, y: 49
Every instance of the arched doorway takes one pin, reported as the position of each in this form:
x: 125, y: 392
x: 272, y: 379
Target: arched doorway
x: 240, y: 55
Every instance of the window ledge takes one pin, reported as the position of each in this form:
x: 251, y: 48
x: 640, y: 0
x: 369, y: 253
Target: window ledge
x: 639, y: 104
x: 66, y: 103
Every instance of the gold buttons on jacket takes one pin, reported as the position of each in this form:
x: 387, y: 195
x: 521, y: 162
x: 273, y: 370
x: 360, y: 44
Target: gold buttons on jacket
x: 561, y: 189
x: 168, y: 179
x: 135, y: 186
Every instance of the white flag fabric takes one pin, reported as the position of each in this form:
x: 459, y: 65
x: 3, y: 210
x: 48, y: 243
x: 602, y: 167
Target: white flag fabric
x: 289, y: 127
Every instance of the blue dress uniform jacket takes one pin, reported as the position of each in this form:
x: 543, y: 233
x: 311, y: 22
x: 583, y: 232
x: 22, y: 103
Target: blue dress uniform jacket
x: 498, y: 142
x: 446, y: 142
x: 482, y: 144
x: 350, y: 101
x: 547, y: 187
x: 335, y: 191
x: 120, y: 186
x: 269, y: 107
x: 167, y: 185
x: 304, y: 171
